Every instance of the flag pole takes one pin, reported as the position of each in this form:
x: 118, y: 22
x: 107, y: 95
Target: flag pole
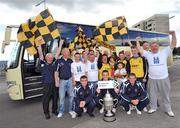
x: 43, y: 1
x: 44, y: 4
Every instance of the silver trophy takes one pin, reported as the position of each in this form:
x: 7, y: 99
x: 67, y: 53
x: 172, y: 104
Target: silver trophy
x: 108, y: 103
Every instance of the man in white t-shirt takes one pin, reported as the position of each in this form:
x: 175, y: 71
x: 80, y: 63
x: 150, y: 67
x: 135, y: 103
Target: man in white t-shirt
x: 158, y: 74
x: 77, y: 69
x: 92, y: 69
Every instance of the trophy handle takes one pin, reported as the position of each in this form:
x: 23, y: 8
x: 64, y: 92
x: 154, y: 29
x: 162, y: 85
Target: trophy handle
x: 101, y: 102
x: 116, y: 102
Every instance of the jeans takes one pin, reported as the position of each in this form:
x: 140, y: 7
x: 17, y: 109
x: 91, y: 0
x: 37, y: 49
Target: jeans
x: 66, y: 85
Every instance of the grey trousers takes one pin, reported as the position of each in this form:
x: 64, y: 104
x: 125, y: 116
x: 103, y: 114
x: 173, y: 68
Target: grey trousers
x: 163, y: 87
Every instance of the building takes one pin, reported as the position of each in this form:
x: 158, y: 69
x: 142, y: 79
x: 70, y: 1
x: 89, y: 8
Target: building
x: 156, y: 23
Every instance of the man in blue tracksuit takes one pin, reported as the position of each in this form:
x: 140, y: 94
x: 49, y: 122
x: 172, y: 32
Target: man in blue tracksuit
x: 84, y: 98
x: 133, y: 93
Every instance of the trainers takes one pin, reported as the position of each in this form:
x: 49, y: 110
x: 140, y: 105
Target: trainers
x: 101, y: 110
x: 84, y: 110
x: 73, y: 114
x: 114, y: 110
x: 138, y: 112
x: 129, y: 112
x: 145, y: 109
x: 151, y: 111
x: 59, y: 115
x: 170, y: 113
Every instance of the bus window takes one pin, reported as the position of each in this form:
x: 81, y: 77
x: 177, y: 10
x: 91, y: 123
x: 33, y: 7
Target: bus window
x: 14, y: 59
x: 29, y: 62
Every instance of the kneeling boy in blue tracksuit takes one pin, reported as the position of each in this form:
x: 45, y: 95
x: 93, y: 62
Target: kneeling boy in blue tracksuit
x: 133, y: 93
x: 84, y: 98
x: 100, y: 93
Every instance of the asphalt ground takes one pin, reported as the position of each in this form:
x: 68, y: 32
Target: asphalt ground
x: 29, y: 114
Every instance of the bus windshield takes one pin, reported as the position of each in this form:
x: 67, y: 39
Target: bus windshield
x: 14, y: 56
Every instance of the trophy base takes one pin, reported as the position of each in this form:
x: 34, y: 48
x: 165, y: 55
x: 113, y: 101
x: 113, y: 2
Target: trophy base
x: 109, y: 118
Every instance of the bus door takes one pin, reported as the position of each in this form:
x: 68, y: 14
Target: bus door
x: 31, y: 77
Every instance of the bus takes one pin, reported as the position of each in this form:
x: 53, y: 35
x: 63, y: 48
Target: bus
x: 23, y: 76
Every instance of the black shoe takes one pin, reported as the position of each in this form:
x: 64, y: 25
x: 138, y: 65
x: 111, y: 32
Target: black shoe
x: 47, y: 116
x: 91, y: 115
x: 55, y: 113
x: 79, y: 115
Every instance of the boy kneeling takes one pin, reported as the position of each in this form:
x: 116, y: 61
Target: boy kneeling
x: 100, y: 93
x: 84, y: 98
x: 133, y: 93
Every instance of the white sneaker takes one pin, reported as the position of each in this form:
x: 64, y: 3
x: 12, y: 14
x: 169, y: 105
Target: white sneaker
x: 170, y: 113
x: 59, y: 115
x: 101, y: 110
x: 138, y: 112
x: 84, y: 110
x: 73, y: 114
x: 145, y: 109
x: 114, y: 110
x: 151, y: 111
x: 129, y: 112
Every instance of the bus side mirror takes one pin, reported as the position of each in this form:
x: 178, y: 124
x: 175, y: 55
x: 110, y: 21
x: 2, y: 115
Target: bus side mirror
x: 7, y: 38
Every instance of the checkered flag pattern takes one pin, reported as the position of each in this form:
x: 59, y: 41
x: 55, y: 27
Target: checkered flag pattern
x: 81, y: 39
x: 26, y: 37
x: 46, y: 28
x: 111, y: 29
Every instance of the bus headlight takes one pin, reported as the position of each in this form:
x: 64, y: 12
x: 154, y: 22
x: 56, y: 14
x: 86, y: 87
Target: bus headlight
x: 11, y: 83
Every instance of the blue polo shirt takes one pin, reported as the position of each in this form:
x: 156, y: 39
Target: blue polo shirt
x: 47, y: 72
x: 64, y: 68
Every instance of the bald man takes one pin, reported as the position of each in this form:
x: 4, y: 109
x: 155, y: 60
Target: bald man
x: 64, y: 75
x: 48, y: 69
x: 49, y: 90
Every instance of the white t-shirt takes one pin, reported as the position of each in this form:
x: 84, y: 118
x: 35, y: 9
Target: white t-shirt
x: 78, y: 69
x: 158, y: 63
x: 121, y: 72
x: 92, y: 71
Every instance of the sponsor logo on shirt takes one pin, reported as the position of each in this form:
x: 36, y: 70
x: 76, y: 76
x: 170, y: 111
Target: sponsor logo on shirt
x: 156, y: 60
x: 79, y: 69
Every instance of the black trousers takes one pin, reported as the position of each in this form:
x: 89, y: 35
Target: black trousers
x: 90, y: 107
x: 50, y: 92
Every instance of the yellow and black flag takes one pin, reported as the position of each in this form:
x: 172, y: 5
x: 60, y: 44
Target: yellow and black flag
x: 26, y: 37
x: 80, y: 39
x: 111, y: 29
x: 46, y: 28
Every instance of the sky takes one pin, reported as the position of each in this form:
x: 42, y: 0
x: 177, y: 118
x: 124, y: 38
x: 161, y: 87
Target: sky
x: 92, y: 12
